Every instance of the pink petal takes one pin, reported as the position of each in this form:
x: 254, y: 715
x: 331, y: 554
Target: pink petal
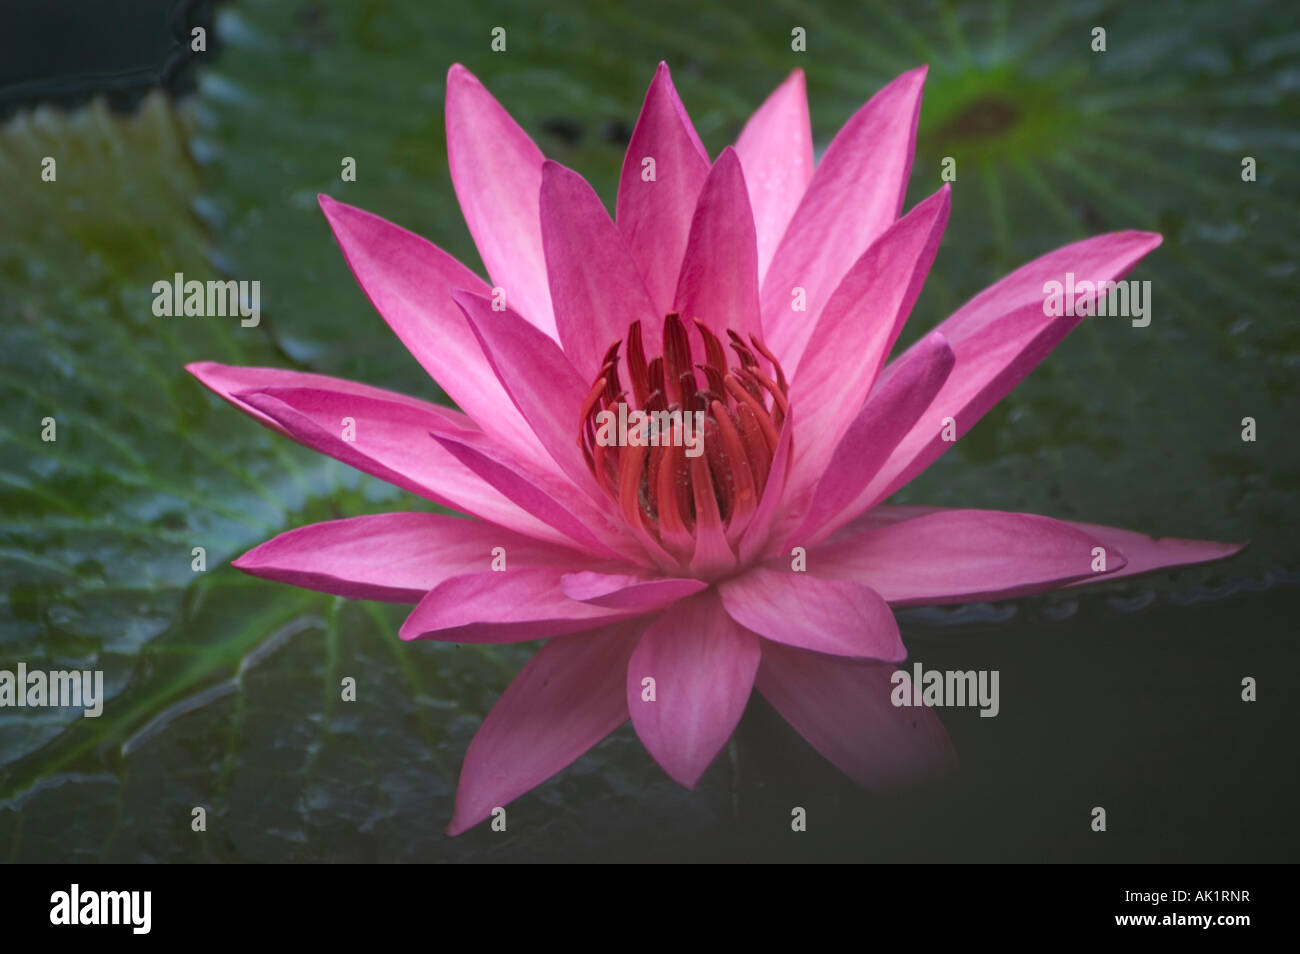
x: 886, y: 514
x: 840, y: 617
x: 1146, y: 554
x: 842, y: 708
x: 870, y: 438
x: 856, y: 331
x: 409, y: 282
x: 497, y: 172
x: 856, y: 192
x: 570, y: 696
x: 627, y: 591
x: 437, y: 476
x: 540, y: 380
x: 554, y: 503
x: 227, y: 380
x: 504, y: 607
x: 999, y: 336
x: 656, y: 216
x: 703, y: 664
x: 758, y: 534
x: 719, y: 277
x: 595, y: 284
x: 961, y: 556
x: 396, y: 557
x: 776, y: 152
x: 391, y: 443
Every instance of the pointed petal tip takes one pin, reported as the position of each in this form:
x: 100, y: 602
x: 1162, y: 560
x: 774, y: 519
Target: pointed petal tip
x: 335, y: 212
x: 1147, y: 240
x: 663, y: 83
x: 554, y: 174
x: 409, y: 630
x: 1218, y: 549
x: 899, y: 655
x: 462, y: 819
x: 914, y: 77
x: 685, y: 780
x: 730, y: 155
x: 251, y: 561
x: 457, y: 72
x: 211, y: 374
x: 335, y: 209
x: 941, y: 197
x: 912, y: 82
x: 458, y: 825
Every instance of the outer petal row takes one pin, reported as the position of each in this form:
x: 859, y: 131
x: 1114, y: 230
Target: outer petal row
x: 998, y: 337
x: 306, y: 407
x: 409, y: 281
x: 497, y: 171
x: 776, y: 152
x: 933, y: 555
x: 663, y: 171
x: 856, y: 192
x: 395, y: 557
x: 684, y: 678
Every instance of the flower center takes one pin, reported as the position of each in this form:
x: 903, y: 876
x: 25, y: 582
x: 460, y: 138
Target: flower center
x: 687, y: 454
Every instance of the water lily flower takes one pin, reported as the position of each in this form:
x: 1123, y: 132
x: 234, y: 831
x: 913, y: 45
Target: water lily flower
x: 763, y: 293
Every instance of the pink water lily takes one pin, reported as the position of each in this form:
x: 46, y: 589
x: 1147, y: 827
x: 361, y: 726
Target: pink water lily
x: 757, y: 289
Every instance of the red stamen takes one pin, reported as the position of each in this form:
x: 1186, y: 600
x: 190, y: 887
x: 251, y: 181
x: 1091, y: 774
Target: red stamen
x: 757, y: 453
x: 696, y: 507
x: 714, y: 376
x: 636, y: 364
x: 673, y: 480
x: 655, y: 375
x: 714, y: 354
x: 677, y: 357
x: 745, y: 399
x: 780, y: 375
